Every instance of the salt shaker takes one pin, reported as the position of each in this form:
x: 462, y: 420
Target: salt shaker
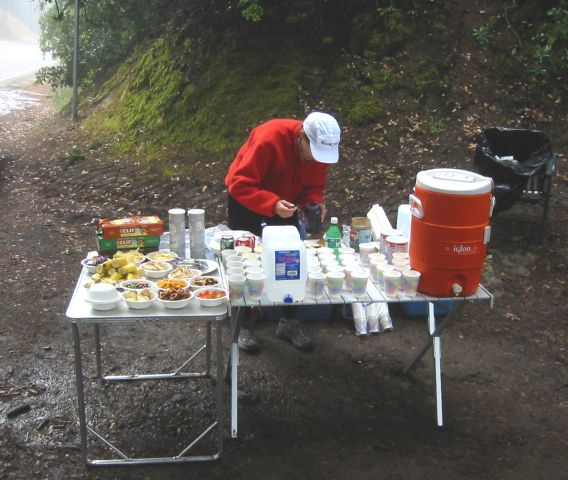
x: 196, y: 217
x: 177, y: 231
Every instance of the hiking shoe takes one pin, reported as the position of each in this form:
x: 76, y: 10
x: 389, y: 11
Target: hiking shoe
x: 290, y: 329
x: 247, y: 341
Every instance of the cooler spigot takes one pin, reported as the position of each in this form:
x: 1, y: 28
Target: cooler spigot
x: 457, y: 289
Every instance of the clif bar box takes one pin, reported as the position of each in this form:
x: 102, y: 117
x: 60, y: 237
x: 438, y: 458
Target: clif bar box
x: 137, y: 226
x: 128, y: 243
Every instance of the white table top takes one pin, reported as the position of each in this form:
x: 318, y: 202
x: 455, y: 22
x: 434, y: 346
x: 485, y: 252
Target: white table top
x: 80, y: 310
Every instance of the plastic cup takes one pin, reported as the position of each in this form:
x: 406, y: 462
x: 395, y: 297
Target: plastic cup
x: 240, y: 249
x: 233, y: 258
x: 392, y: 282
x: 359, y: 279
x: 250, y: 270
x: 255, y: 284
x: 314, y: 269
x: 334, y: 282
x: 234, y: 265
x: 400, y: 261
x: 377, y: 255
x: 373, y: 268
x: 237, y: 284
x: 250, y: 256
x: 324, y: 251
x: 346, y: 250
x: 401, y: 255
x: 410, y: 281
x: 349, y: 269
x: 316, y: 284
x: 365, y: 249
x: 402, y: 268
x: 380, y: 270
x: 328, y: 263
x: 252, y: 263
x: 235, y: 271
x: 327, y: 256
x: 334, y: 267
x: 227, y: 253
x: 347, y: 257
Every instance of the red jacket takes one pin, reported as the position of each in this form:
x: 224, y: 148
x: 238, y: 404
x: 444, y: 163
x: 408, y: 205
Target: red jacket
x: 268, y: 168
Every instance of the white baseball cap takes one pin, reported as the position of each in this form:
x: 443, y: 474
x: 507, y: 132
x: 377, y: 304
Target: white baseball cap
x: 323, y: 132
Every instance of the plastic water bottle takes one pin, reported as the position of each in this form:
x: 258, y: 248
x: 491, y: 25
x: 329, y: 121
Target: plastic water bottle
x: 333, y: 236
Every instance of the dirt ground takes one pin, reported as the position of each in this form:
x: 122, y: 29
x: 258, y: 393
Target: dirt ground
x: 343, y: 411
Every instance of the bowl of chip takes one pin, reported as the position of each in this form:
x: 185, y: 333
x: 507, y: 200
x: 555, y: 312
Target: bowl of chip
x: 211, y: 296
x: 185, y: 272
x: 204, y: 281
x: 156, y: 269
x: 139, y: 299
x: 91, y: 263
x: 162, y: 256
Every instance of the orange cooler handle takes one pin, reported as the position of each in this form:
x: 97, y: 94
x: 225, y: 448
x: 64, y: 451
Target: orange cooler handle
x: 416, y: 206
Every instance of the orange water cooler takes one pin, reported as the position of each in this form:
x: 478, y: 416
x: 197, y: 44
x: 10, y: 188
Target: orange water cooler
x: 450, y: 230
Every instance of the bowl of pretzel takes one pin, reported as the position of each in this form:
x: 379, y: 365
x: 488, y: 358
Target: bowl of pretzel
x: 174, y: 292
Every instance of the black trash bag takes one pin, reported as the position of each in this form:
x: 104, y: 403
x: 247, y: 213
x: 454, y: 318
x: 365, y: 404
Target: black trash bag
x: 510, y: 156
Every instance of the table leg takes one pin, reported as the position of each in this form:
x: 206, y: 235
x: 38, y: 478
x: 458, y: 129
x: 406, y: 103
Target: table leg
x: 219, y: 387
x: 80, y: 390
x: 437, y: 351
x: 450, y: 317
x: 98, y: 361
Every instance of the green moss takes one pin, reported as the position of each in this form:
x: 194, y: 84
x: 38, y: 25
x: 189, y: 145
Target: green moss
x: 150, y: 105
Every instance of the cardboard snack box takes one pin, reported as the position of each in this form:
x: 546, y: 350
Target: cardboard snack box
x: 145, y: 242
x: 128, y: 227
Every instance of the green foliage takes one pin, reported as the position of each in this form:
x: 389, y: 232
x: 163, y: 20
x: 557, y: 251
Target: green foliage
x: 108, y: 31
x: 550, y: 55
x: 484, y: 33
x: 251, y: 10
x: 71, y: 158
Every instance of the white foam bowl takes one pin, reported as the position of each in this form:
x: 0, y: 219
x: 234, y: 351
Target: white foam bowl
x: 105, y: 304
x: 102, y: 292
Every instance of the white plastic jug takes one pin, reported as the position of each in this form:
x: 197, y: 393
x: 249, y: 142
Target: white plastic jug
x: 285, y: 263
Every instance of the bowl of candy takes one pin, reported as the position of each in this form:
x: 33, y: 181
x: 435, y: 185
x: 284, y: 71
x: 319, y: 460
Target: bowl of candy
x: 211, y: 296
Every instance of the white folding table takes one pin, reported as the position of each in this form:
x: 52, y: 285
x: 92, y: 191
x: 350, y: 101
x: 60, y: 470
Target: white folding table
x: 80, y: 314
x: 372, y: 295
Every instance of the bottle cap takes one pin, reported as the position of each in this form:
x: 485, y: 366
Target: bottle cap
x: 333, y: 220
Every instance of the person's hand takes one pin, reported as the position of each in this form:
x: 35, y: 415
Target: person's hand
x: 284, y: 208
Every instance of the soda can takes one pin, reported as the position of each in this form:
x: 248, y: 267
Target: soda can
x: 247, y: 240
x: 227, y: 242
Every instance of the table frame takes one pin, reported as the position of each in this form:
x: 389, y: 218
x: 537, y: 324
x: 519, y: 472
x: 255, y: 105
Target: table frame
x: 372, y: 295
x: 80, y: 314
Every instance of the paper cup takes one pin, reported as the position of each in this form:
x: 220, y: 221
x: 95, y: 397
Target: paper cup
x: 375, y: 255
x: 255, y: 284
x: 346, y: 250
x: 364, y: 250
x: 235, y: 271
x: 334, y: 282
x: 392, y: 282
x: 359, y: 281
x: 237, y: 284
x: 379, y: 270
x: 316, y: 284
x: 348, y: 270
x: 241, y: 249
x: 314, y: 269
x: 324, y: 251
x: 227, y: 253
x: 401, y: 255
x: 400, y: 261
x: 402, y: 268
x: 251, y: 270
x: 234, y: 258
x: 235, y: 265
x: 250, y: 256
x: 252, y: 263
x: 410, y: 280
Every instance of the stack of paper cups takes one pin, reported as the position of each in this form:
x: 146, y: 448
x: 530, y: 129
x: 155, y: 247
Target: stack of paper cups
x: 196, y: 217
x: 176, y: 220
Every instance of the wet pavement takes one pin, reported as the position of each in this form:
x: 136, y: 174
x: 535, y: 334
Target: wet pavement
x: 18, y: 64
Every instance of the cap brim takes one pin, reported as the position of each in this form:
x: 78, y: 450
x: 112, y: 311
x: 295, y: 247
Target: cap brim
x: 325, y: 155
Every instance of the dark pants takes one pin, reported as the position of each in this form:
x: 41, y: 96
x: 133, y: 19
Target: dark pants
x: 241, y: 218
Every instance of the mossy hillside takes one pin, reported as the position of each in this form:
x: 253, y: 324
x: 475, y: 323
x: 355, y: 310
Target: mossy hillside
x: 171, y: 101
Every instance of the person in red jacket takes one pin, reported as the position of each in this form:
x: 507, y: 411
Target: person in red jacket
x: 280, y: 168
